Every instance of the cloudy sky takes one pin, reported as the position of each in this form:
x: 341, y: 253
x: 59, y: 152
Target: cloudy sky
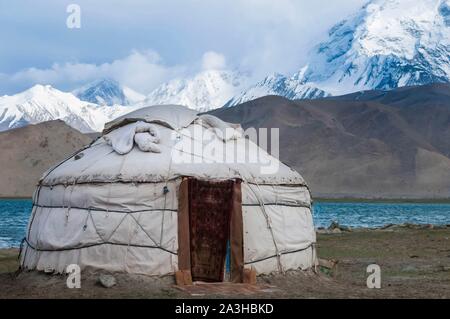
x: 143, y: 43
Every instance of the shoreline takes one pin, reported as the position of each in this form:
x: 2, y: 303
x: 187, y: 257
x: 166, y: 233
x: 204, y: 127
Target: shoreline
x: 383, y: 200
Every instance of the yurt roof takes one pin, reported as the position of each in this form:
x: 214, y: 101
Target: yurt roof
x: 100, y: 162
x: 174, y: 116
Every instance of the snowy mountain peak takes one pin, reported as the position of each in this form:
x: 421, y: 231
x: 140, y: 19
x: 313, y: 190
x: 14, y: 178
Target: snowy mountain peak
x: 36, y: 91
x: 39, y: 88
x: 204, y: 91
x: 43, y: 93
x: 277, y: 84
x: 107, y: 92
x: 42, y: 103
x: 387, y: 44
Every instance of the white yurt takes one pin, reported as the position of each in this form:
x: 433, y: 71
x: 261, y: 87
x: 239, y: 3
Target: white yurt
x: 165, y: 189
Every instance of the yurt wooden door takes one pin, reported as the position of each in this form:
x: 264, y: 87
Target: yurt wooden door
x: 210, y: 214
x: 209, y: 219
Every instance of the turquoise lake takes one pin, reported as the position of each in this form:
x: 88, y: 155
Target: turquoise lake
x: 14, y: 216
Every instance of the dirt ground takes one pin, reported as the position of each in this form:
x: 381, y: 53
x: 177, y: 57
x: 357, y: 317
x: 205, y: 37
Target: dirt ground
x: 415, y: 263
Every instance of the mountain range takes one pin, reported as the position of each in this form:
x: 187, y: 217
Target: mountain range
x: 385, y: 45
x: 371, y: 144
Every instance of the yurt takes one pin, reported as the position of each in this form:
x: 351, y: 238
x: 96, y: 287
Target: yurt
x: 165, y: 189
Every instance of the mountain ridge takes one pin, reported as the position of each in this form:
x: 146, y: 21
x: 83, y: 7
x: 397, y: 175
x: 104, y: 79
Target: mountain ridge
x: 31, y: 150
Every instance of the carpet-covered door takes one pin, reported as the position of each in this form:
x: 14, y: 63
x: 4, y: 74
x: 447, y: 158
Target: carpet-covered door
x: 210, y: 207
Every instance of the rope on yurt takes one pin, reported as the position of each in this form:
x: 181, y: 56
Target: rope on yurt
x: 130, y: 238
x: 33, y: 212
x: 69, y: 203
x: 313, y: 255
x: 95, y: 245
x: 269, y: 226
x: 33, y: 217
x: 143, y: 229
x: 165, y: 192
x: 281, y: 253
x: 96, y: 209
x: 20, y: 248
x: 38, y: 235
x: 86, y: 220
x: 125, y: 216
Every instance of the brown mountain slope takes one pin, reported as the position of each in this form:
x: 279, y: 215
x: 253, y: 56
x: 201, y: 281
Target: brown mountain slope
x: 426, y: 108
x: 27, y: 152
x: 357, y: 148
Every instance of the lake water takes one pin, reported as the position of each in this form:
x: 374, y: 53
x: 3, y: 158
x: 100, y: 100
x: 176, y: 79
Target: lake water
x: 14, y: 216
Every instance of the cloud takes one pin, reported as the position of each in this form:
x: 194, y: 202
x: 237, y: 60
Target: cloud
x: 213, y: 61
x: 140, y: 70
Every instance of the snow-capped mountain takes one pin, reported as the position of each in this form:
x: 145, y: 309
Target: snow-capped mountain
x: 45, y: 103
x: 108, y: 92
x: 132, y: 97
x: 387, y: 44
x: 205, y: 91
x: 278, y: 84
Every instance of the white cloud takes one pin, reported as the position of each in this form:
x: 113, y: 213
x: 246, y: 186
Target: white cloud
x: 213, y: 61
x: 140, y: 70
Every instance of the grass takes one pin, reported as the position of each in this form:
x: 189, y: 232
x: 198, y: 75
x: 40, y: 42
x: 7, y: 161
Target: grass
x: 8, y: 260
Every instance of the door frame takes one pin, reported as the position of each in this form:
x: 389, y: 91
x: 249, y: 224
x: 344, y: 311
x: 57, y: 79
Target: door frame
x: 236, y: 235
